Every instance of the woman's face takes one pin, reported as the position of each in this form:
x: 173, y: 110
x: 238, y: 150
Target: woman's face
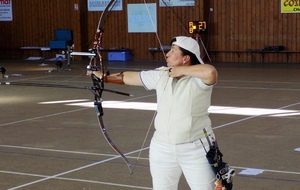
x: 175, y: 57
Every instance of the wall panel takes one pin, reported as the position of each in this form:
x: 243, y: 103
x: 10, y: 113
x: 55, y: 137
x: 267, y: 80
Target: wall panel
x: 259, y: 23
x: 233, y: 25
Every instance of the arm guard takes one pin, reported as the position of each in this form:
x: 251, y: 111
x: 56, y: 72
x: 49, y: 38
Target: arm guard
x: 115, y: 79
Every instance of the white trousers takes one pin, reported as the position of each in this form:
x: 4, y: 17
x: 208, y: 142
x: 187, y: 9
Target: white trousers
x: 169, y: 161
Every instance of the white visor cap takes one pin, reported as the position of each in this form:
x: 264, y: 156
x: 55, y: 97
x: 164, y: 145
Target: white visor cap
x: 188, y: 44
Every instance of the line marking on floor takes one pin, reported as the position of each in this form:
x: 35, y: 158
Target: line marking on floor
x: 70, y: 171
x: 74, y: 179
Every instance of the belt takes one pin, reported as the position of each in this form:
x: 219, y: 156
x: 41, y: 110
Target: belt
x: 205, y: 135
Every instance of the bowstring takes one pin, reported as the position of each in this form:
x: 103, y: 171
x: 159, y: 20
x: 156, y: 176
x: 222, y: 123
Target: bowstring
x: 156, y: 33
x: 176, y: 17
x: 155, y: 113
x: 186, y: 31
x: 162, y: 49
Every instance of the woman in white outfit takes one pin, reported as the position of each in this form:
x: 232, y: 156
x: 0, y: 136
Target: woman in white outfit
x: 184, y: 91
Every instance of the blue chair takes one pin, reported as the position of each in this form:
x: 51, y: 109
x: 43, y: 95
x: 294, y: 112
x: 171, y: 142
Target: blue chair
x: 63, y: 38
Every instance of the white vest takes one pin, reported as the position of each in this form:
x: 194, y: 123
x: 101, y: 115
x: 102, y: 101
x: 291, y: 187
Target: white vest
x: 182, y: 110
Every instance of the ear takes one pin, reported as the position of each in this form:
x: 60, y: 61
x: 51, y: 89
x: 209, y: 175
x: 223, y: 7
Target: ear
x: 186, y: 59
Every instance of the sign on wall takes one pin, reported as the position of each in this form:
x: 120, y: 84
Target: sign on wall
x: 173, y: 3
x: 99, y: 5
x: 6, y: 10
x: 142, y: 17
x: 290, y: 6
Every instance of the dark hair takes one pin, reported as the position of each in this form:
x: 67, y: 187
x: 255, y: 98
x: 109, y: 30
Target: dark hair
x: 194, y: 59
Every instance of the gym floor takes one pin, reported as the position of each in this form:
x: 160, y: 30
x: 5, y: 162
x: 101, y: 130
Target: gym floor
x: 50, y: 137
